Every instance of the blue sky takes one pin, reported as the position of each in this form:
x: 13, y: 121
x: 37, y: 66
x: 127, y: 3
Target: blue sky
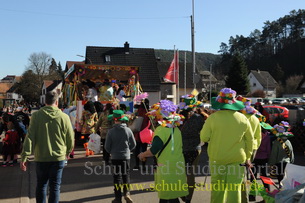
x: 63, y: 28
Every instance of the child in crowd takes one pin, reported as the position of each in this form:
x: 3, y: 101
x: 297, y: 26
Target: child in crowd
x: 11, y: 145
x: 120, y: 141
x: 88, y: 121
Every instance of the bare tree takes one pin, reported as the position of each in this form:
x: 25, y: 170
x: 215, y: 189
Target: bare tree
x: 39, y: 64
x: 292, y: 83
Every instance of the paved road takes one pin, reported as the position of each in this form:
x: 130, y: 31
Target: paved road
x: 88, y: 180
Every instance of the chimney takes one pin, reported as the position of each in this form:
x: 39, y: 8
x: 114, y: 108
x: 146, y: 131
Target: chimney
x: 258, y: 71
x: 126, y: 48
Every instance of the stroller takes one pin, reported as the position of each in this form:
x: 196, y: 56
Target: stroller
x: 292, y: 190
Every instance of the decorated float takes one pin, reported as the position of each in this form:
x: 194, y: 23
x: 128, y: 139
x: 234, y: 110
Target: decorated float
x: 79, y: 74
x: 105, y: 80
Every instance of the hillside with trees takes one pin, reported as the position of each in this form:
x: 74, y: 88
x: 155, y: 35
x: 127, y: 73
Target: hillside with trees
x: 279, y: 48
x: 203, y: 60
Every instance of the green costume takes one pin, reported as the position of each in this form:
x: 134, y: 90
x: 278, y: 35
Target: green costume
x: 256, y: 129
x: 170, y: 177
x: 230, y: 139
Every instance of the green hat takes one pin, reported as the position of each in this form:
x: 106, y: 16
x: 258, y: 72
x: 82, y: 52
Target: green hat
x: 266, y: 126
x: 282, y: 129
x: 226, y: 100
x: 262, y: 120
x: 118, y: 115
x: 189, y: 101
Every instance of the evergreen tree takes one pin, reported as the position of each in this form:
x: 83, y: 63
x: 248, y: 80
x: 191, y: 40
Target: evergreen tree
x: 53, y: 67
x: 237, y: 78
x: 60, y: 71
x: 54, y: 72
x: 277, y: 73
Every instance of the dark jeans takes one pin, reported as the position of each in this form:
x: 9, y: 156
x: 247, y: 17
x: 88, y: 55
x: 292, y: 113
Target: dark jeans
x: 281, y: 171
x: 191, y: 161
x: 121, y: 176
x: 106, y: 155
x: 140, y: 147
x: 48, y: 173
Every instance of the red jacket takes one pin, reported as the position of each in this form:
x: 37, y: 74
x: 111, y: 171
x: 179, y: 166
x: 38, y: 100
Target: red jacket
x: 11, y: 137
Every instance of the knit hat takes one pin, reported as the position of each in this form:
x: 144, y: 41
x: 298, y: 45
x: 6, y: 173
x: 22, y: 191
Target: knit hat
x: 226, y: 100
x: 282, y: 129
x: 118, y: 115
x: 189, y: 101
x: 165, y: 113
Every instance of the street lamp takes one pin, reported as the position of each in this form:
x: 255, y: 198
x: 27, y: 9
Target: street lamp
x: 84, y: 57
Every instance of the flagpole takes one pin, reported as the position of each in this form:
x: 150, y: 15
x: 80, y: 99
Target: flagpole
x: 178, y: 82
x: 174, y: 60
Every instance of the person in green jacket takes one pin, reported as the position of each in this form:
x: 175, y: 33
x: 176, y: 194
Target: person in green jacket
x: 51, y: 137
x: 170, y: 176
x: 250, y: 112
x: 230, y: 146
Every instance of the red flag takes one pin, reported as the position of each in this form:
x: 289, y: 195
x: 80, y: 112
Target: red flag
x: 173, y: 70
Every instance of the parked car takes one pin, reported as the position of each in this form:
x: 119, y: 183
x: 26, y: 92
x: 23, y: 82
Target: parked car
x: 255, y: 100
x: 276, y: 112
x: 279, y: 101
x: 267, y: 101
x: 294, y: 107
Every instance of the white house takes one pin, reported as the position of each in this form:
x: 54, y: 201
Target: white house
x: 12, y: 94
x: 50, y: 85
x: 262, y: 80
x: 8, y: 88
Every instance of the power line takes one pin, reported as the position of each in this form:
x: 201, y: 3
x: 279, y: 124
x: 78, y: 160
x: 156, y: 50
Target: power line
x: 96, y: 17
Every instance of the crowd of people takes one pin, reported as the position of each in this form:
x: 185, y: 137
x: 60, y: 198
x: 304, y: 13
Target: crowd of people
x: 237, y: 134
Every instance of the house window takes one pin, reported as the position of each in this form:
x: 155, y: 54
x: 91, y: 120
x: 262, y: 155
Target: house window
x: 254, y: 84
x: 107, y: 58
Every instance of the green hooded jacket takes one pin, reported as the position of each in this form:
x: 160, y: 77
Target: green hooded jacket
x: 50, y: 135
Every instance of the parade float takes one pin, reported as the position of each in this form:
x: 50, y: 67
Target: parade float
x: 101, y: 78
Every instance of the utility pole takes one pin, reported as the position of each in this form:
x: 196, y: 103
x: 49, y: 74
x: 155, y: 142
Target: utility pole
x: 210, y: 83
x: 184, y: 73
x: 193, y: 44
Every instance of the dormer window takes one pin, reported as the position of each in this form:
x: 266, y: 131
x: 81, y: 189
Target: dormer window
x: 107, y: 58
